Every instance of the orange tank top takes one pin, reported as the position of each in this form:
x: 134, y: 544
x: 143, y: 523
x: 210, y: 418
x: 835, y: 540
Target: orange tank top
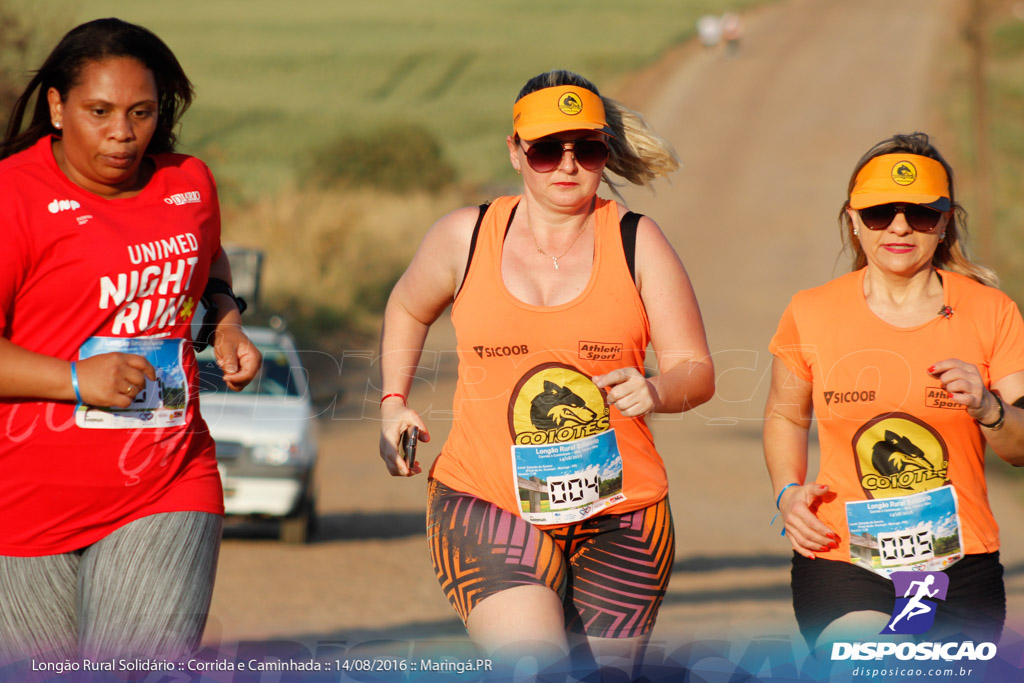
x: 532, y: 433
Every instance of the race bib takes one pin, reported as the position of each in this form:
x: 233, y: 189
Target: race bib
x: 560, y: 483
x: 160, y: 404
x: 919, y: 532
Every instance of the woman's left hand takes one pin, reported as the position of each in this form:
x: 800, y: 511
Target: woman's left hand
x: 237, y: 356
x: 963, y: 382
x: 628, y: 390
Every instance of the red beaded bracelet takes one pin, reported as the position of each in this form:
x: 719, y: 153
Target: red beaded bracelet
x: 387, y: 396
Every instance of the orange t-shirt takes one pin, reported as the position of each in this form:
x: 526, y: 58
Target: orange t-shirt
x: 525, y: 373
x: 886, y: 426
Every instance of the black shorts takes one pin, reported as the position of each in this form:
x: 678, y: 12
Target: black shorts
x: 974, y: 608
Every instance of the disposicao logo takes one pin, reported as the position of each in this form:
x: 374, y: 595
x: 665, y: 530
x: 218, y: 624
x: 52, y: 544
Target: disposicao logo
x: 914, y: 614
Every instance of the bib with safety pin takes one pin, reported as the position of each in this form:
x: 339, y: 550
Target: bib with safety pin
x: 917, y: 532
x: 161, y: 403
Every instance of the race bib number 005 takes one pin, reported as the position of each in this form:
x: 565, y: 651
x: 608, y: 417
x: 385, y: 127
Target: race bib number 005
x: 918, y: 532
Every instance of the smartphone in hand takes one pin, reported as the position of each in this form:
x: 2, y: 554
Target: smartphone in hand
x: 408, y: 444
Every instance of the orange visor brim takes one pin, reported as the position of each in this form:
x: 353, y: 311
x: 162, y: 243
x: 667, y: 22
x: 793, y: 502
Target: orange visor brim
x: 895, y: 178
x: 558, y: 109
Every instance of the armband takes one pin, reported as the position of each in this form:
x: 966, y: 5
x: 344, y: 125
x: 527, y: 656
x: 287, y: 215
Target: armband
x: 217, y: 286
x: 214, y: 286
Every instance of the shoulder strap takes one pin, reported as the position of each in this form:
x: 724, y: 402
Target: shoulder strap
x: 627, y: 226
x: 472, y: 242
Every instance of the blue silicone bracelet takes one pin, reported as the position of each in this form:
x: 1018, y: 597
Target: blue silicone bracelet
x: 779, y: 499
x: 74, y: 382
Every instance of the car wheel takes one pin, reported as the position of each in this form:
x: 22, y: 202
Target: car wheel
x: 297, y: 529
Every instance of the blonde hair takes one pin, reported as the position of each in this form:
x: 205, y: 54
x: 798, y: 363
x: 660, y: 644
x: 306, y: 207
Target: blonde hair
x: 950, y: 254
x: 636, y: 152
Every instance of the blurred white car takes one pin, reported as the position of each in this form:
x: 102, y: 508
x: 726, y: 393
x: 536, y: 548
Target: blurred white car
x: 265, y: 434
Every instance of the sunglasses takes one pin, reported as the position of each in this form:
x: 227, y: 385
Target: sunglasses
x: 545, y: 156
x: 919, y: 218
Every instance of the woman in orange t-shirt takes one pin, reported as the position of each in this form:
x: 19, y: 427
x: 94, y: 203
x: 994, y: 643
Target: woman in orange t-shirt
x: 911, y: 363
x: 548, y: 517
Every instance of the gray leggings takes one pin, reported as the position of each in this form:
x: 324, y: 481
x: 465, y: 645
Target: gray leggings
x: 144, y: 590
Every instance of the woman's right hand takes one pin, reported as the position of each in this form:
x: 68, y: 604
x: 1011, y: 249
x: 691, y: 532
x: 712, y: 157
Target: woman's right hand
x: 395, y: 419
x: 805, y: 531
x: 113, y: 379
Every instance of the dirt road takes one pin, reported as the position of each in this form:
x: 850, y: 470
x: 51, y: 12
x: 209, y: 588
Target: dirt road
x: 767, y: 138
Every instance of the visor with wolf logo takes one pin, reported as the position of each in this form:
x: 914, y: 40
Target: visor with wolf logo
x: 911, y: 519
x: 566, y: 464
x: 906, y: 178
x: 558, y: 109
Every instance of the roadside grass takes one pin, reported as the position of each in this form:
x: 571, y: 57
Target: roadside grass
x: 333, y: 256
x: 1006, y: 85
x: 1005, y: 104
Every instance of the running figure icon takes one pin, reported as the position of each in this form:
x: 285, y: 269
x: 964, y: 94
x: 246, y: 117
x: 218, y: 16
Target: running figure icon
x: 915, y: 607
x: 917, y: 598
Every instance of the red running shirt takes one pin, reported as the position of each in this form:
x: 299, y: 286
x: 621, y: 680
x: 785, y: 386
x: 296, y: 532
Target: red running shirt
x: 75, y: 266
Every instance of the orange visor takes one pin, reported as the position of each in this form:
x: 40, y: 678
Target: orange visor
x: 906, y: 178
x: 554, y: 110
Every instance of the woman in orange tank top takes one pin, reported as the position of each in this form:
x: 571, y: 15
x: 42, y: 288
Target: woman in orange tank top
x: 549, y: 484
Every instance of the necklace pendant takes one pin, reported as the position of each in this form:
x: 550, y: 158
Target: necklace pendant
x: 555, y: 260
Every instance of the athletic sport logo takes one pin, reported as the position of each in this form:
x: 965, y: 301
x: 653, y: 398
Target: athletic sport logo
x: 914, y: 612
x: 904, y: 173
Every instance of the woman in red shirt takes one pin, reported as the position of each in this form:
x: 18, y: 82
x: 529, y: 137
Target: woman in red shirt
x: 111, y: 498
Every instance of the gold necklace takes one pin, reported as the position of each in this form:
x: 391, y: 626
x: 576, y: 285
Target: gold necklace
x: 554, y: 259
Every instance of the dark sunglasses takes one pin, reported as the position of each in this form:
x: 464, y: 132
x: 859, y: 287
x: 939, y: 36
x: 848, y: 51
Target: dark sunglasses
x: 919, y: 218
x: 545, y: 156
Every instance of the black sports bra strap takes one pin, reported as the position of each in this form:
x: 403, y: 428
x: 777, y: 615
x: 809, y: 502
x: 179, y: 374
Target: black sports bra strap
x: 472, y: 242
x: 627, y: 226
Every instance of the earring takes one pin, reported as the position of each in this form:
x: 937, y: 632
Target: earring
x: 856, y: 232
x: 518, y: 172
x: 942, y: 236
x: 56, y: 124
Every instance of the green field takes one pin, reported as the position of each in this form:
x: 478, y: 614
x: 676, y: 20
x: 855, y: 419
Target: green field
x: 277, y: 81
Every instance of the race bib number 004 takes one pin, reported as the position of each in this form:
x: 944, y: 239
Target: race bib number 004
x: 567, y: 482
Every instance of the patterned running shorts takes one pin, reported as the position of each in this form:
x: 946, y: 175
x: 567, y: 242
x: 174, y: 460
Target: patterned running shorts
x: 611, y: 571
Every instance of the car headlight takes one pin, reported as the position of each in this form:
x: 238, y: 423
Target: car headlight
x: 279, y: 453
